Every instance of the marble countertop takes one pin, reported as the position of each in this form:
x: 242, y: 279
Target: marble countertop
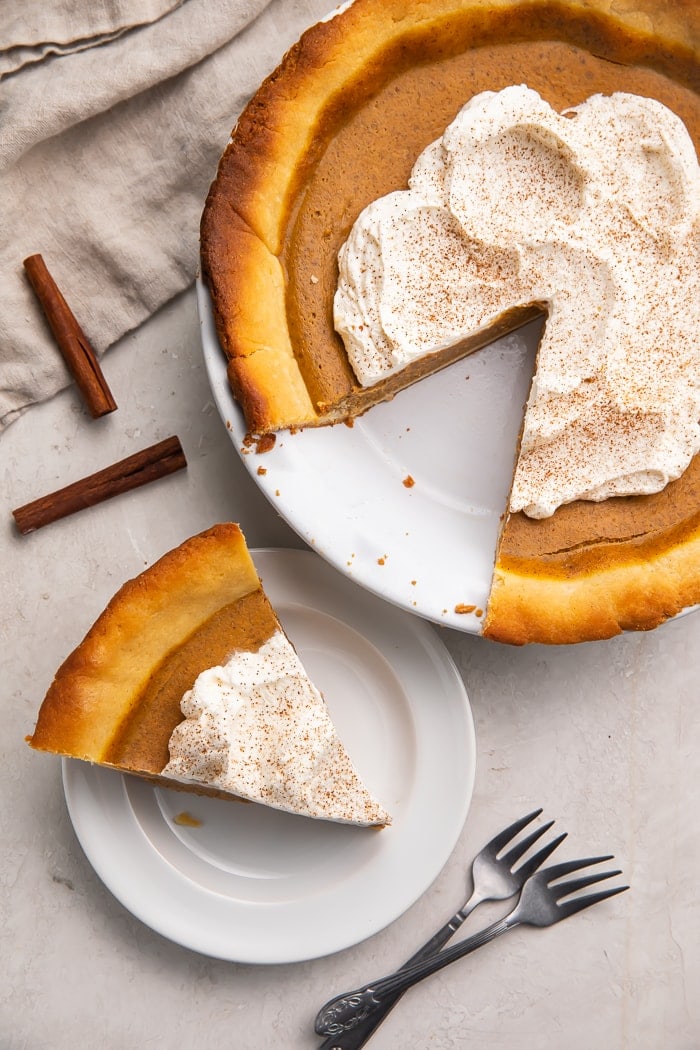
x: 604, y: 736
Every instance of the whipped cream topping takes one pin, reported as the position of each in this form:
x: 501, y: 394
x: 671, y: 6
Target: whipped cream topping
x: 595, y: 215
x: 258, y: 728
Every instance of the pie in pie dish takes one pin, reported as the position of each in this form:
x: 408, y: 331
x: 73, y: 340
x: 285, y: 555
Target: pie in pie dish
x: 340, y: 125
x: 188, y: 679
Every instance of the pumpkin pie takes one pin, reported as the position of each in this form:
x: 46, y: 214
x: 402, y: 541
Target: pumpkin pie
x: 188, y: 679
x: 340, y: 124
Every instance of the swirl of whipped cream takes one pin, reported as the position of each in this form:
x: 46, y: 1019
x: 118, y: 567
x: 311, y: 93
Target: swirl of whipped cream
x: 258, y: 728
x: 595, y: 215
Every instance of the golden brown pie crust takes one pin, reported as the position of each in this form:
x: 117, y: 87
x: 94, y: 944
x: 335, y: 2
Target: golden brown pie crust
x: 339, y: 123
x: 116, y: 699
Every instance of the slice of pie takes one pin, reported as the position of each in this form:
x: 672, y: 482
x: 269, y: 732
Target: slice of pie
x: 339, y: 125
x: 188, y: 679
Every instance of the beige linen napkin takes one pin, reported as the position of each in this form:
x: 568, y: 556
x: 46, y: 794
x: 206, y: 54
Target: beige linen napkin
x: 112, y: 119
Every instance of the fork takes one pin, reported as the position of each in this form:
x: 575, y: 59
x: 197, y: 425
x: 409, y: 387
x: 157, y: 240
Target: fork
x: 493, y: 878
x: 543, y: 902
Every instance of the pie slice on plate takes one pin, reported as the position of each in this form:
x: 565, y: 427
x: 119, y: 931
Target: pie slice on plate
x: 188, y: 679
x: 340, y: 124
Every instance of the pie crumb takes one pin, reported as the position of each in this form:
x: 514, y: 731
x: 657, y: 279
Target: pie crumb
x: 265, y: 443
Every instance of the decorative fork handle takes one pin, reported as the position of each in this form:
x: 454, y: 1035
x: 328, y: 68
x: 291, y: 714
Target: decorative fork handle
x: 346, y: 1011
x: 357, y: 1035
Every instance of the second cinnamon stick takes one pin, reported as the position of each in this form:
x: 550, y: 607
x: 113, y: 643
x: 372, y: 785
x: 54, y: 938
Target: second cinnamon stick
x: 151, y: 463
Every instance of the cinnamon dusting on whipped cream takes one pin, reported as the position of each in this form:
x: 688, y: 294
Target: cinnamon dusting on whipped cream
x: 258, y: 728
x: 595, y: 215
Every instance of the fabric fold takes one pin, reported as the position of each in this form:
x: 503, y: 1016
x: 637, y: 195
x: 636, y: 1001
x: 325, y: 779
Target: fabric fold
x: 38, y: 30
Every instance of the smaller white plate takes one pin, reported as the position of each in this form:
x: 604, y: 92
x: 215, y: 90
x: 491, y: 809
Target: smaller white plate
x: 251, y: 884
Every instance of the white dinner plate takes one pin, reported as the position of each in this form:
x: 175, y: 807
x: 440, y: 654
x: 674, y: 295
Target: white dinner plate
x: 429, y: 546
x: 251, y: 884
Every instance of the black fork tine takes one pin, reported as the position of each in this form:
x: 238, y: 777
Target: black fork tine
x: 521, y: 848
x: 505, y: 836
x: 563, y: 889
x: 530, y: 866
x: 557, y: 871
x: 579, y: 903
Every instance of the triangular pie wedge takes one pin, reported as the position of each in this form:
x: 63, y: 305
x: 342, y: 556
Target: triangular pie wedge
x: 341, y: 123
x: 116, y: 701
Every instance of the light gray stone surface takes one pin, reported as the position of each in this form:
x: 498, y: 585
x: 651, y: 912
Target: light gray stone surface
x: 604, y: 736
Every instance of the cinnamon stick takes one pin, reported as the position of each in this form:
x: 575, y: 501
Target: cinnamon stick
x: 151, y: 463
x: 70, y: 338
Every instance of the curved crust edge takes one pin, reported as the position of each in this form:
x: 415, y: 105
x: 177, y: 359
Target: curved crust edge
x: 636, y: 596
